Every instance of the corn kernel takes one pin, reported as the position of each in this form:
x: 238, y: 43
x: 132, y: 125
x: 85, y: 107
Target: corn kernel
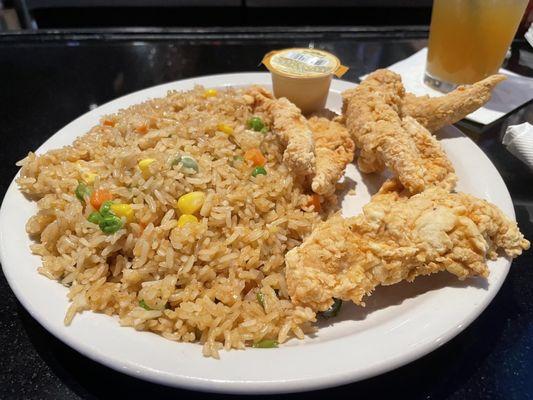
x: 88, y: 177
x: 144, y: 166
x: 210, y: 92
x: 187, y: 219
x: 191, y: 203
x: 228, y: 130
x: 123, y: 210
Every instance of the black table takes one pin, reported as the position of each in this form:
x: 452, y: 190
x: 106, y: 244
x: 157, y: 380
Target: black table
x: 48, y: 79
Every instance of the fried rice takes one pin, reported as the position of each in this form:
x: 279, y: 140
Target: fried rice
x: 220, y: 281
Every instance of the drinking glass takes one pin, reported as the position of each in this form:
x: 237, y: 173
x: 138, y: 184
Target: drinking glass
x: 468, y: 40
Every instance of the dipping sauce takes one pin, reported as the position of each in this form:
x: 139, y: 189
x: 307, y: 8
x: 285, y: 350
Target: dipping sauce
x: 303, y: 76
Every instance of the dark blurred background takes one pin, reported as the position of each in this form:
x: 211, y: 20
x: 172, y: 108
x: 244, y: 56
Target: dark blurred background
x: 58, y: 14
x: 82, y: 14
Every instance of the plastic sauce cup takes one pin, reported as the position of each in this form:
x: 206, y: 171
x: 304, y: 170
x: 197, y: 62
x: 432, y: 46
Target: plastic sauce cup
x: 303, y: 76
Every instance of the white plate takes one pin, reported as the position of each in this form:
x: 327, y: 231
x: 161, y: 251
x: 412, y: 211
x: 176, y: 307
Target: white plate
x: 401, y: 323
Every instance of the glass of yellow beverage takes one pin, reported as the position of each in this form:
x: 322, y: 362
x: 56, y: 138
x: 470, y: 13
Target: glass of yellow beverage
x: 468, y: 39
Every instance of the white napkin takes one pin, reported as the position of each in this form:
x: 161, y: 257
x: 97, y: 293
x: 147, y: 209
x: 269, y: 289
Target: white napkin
x: 508, y: 95
x: 529, y: 35
x: 519, y: 141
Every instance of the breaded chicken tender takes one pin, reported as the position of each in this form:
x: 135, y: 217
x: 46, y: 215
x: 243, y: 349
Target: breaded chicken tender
x: 291, y: 126
x: 377, y: 98
x: 333, y: 151
x: 398, y: 238
x: 438, y: 168
x: 371, y: 112
x: 437, y: 112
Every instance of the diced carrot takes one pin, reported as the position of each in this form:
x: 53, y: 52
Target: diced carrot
x: 100, y: 196
x: 314, y: 200
x: 255, y: 156
x: 109, y: 122
x: 142, y: 129
x: 142, y: 225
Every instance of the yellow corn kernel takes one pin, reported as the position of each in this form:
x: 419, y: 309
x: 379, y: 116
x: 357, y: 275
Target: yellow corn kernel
x: 123, y: 210
x: 191, y: 203
x: 210, y: 92
x: 88, y: 177
x: 187, y: 219
x: 144, y: 166
x: 228, y: 130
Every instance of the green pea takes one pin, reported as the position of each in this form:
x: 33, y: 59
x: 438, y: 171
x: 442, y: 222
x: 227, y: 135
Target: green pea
x: 256, y: 124
x: 189, y: 162
x: 105, y: 208
x: 186, y: 161
x: 333, y: 310
x: 94, y: 217
x: 261, y: 299
x: 259, y: 171
x: 82, y: 191
x: 110, y: 224
x: 266, y: 344
x: 143, y: 304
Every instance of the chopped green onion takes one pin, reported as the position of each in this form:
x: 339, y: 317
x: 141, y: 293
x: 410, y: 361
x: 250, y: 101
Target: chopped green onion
x: 238, y: 158
x: 261, y: 299
x: 110, y: 224
x: 105, y: 208
x: 259, y: 171
x: 264, y: 129
x: 333, y: 310
x: 82, y: 191
x: 256, y: 124
x: 95, y: 217
x: 144, y: 305
x: 266, y: 344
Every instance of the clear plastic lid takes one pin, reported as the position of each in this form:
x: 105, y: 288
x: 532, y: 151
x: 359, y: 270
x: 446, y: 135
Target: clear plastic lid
x: 303, y: 63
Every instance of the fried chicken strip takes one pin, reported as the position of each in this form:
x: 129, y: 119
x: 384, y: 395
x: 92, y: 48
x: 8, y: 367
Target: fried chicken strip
x: 371, y: 112
x: 439, y: 169
x: 398, y: 238
x: 333, y: 151
x: 291, y: 126
x: 437, y: 112
x: 377, y: 98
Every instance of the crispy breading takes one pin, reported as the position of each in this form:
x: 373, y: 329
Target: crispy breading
x: 291, y: 126
x: 398, y: 238
x: 333, y: 151
x: 381, y: 91
x: 438, y: 168
x: 371, y: 112
x: 437, y: 112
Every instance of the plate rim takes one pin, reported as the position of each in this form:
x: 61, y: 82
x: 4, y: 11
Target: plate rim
x: 233, y: 386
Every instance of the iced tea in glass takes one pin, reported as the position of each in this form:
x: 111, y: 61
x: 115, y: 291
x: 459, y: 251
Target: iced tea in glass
x: 468, y: 39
